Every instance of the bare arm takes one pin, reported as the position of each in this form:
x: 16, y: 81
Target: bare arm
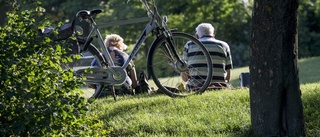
x: 133, y: 77
x: 184, y: 76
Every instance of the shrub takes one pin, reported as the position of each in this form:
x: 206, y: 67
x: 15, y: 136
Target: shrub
x: 38, y: 97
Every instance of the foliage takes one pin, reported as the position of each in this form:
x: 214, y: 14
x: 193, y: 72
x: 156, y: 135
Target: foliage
x: 3, y: 5
x: 309, y: 28
x: 60, y: 10
x: 65, y: 11
x: 231, y: 19
x: 38, y: 97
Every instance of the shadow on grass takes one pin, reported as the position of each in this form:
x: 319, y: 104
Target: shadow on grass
x: 122, y: 108
x: 309, y: 70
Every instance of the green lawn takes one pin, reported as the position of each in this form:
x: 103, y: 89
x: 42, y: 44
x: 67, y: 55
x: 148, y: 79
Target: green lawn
x: 309, y: 70
x: 215, y: 113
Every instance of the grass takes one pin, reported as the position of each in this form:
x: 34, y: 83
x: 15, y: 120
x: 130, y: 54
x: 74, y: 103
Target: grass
x: 311, y: 104
x: 309, y: 70
x: 235, y: 81
x: 214, y: 113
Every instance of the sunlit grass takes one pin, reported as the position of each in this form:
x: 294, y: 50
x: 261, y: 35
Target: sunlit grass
x: 309, y: 70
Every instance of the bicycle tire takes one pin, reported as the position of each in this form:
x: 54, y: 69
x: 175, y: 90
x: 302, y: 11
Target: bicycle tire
x: 166, y: 76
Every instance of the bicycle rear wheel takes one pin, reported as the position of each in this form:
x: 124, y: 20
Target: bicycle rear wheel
x: 165, y: 68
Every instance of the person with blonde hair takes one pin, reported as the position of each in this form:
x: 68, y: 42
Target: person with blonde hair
x: 116, y: 47
x: 114, y: 40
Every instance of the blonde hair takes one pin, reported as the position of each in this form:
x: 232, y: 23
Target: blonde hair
x: 205, y: 29
x: 115, y: 40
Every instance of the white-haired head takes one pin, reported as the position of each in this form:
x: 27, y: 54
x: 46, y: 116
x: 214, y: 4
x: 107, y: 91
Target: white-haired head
x: 204, y: 29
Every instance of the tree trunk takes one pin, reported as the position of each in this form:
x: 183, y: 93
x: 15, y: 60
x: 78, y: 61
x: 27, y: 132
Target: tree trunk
x: 275, y: 96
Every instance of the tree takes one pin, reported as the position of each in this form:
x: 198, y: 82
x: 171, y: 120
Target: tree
x: 62, y: 9
x: 275, y: 96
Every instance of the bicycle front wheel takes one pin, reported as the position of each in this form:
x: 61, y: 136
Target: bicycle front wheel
x: 166, y: 70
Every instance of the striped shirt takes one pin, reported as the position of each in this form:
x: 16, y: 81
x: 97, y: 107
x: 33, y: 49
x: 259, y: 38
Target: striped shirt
x: 220, y: 56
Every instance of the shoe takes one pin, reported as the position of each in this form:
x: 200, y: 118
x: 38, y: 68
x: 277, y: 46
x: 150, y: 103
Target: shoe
x: 180, y: 87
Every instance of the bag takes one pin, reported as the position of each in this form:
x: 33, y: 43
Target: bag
x: 143, y: 85
x: 65, y: 31
x: 244, y: 79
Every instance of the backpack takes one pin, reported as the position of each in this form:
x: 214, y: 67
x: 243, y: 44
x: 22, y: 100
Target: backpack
x: 143, y: 84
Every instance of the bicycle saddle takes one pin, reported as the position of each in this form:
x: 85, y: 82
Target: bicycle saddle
x: 85, y: 14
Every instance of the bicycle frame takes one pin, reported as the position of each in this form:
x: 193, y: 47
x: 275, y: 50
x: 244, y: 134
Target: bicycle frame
x: 149, y: 27
x: 153, y: 25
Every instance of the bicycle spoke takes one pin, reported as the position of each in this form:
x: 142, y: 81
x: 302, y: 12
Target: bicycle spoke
x: 166, y: 72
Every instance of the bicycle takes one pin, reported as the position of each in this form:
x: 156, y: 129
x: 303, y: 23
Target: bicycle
x: 165, y: 59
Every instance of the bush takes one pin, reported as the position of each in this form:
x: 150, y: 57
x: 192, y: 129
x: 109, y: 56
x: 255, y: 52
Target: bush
x: 38, y: 97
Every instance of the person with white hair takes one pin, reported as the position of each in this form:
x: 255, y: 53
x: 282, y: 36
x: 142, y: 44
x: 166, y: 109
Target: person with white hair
x: 220, y: 55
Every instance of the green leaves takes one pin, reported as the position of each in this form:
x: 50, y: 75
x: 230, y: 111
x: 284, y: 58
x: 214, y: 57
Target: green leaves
x: 38, y: 97
x: 309, y: 28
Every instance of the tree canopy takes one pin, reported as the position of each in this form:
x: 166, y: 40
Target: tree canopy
x: 231, y: 19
